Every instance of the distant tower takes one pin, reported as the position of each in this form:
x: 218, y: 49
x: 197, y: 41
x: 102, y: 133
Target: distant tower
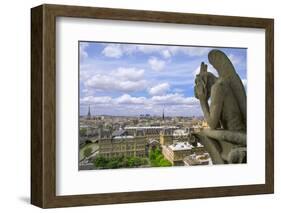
x: 89, y: 113
x: 163, y: 115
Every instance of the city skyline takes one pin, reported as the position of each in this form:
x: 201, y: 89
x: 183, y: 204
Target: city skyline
x: 90, y: 114
x: 131, y: 79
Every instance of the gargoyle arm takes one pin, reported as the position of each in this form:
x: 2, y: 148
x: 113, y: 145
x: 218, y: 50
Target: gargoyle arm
x: 212, y: 113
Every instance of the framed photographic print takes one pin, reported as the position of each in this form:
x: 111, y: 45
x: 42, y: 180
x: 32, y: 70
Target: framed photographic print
x: 136, y: 106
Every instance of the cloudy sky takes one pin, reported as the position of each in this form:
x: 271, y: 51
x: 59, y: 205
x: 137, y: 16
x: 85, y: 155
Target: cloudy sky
x: 132, y: 79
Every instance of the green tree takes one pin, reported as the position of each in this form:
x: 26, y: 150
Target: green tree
x: 87, y: 152
x: 113, y: 163
x: 83, y: 131
x: 151, y: 155
x: 131, y: 161
x: 100, y: 162
x: 144, y: 161
x: 119, y: 162
x: 157, y: 159
x: 163, y: 162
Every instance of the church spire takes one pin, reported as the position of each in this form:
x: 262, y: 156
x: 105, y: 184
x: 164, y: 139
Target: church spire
x: 89, y: 113
x: 163, y: 114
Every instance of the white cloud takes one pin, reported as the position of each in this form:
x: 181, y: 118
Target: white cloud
x: 210, y: 69
x: 196, y: 71
x: 113, y: 51
x: 148, y: 49
x: 190, y: 51
x: 166, y: 53
x: 174, y: 99
x: 169, y: 99
x: 234, y: 59
x: 110, y: 83
x: 84, y: 75
x: 131, y: 86
x: 129, y: 73
x: 175, y: 105
x: 159, y: 89
x: 83, y: 52
x: 244, y: 81
x: 85, y: 90
x: 118, y: 50
x: 128, y: 49
x: 156, y: 64
x: 121, y: 79
x: 127, y: 99
x: 96, y: 100
x: 196, y: 51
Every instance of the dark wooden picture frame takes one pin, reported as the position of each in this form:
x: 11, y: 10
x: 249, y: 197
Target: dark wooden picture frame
x: 43, y: 105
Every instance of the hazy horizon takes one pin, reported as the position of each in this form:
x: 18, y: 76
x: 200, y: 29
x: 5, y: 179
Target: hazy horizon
x: 150, y: 115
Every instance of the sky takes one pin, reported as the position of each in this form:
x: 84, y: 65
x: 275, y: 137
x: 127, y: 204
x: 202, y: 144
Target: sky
x: 132, y: 79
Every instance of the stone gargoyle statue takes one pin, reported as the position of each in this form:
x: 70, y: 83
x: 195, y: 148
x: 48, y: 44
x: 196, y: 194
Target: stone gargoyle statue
x: 226, y: 114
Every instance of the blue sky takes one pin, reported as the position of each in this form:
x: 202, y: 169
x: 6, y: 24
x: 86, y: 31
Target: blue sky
x: 134, y: 79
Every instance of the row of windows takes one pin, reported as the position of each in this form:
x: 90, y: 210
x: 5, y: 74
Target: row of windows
x: 122, y: 147
x: 119, y: 154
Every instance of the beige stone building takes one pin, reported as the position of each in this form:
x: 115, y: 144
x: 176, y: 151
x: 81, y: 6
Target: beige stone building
x: 128, y: 146
x: 195, y: 160
x: 176, y: 152
x: 166, y: 139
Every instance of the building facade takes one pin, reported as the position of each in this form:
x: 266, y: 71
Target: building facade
x: 196, y: 160
x: 166, y: 139
x: 175, y: 153
x: 126, y: 146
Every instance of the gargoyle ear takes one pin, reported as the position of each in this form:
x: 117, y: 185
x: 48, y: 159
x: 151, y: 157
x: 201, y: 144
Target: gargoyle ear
x: 202, y: 68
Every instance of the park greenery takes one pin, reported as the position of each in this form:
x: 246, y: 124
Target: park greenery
x: 82, y: 131
x: 86, y: 146
x: 157, y: 159
x: 87, y: 152
x: 118, y: 162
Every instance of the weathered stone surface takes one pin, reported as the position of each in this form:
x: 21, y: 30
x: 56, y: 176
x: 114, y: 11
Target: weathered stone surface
x: 226, y: 115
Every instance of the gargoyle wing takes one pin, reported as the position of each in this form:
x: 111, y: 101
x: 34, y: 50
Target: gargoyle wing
x: 227, y: 73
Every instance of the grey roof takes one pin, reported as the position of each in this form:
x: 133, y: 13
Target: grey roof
x: 119, y: 133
